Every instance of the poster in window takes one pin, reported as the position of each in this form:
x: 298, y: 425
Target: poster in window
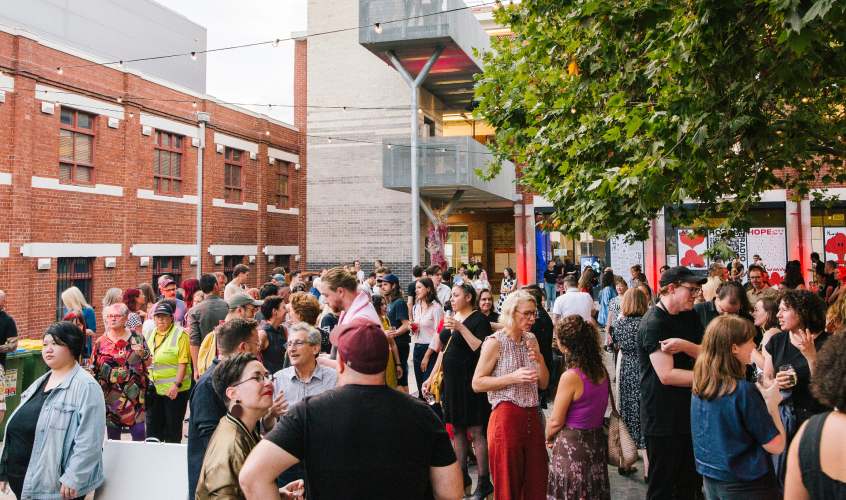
x: 692, y: 249
x: 737, y: 245
x: 770, y: 244
x: 625, y: 256
x: 835, y: 244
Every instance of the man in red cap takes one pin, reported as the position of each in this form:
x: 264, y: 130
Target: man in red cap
x: 362, y: 440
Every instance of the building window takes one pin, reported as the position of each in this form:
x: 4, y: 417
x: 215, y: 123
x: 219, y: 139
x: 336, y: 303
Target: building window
x: 78, y: 272
x: 166, y: 265
x: 283, y: 189
x: 229, y: 263
x: 232, y: 182
x: 167, y: 161
x: 76, y: 147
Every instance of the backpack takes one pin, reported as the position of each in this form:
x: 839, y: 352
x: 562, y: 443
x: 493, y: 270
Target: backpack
x: 208, y: 351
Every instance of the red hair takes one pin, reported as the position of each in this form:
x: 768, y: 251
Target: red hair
x: 130, y: 298
x: 190, y: 287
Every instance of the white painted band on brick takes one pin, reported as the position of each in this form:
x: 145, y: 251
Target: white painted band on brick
x: 159, y: 123
x: 217, y: 202
x: 233, y: 249
x: 8, y: 83
x: 47, y: 183
x: 162, y: 250
x: 79, y: 102
x: 4, y: 250
x: 234, y: 142
x: 281, y: 250
x: 282, y: 155
x: 149, y: 194
x: 56, y: 250
x: 839, y: 192
x: 6, y: 178
x: 290, y: 211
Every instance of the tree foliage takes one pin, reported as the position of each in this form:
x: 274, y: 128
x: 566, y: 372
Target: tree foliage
x: 620, y: 108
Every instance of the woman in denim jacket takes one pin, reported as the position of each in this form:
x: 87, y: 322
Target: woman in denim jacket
x: 53, y: 447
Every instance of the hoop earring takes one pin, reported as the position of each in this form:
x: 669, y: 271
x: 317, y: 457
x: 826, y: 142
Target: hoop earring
x: 237, y: 410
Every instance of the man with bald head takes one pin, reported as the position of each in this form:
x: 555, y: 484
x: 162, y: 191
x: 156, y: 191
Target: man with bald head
x: 8, y: 331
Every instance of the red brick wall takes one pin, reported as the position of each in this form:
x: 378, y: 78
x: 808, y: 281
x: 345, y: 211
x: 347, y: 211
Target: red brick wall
x: 124, y: 157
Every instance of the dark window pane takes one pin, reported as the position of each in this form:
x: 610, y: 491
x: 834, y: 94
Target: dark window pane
x: 177, y: 142
x: 67, y: 117
x: 237, y: 194
x: 84, y: 121
x: 236, y: 176
x: 177, y: 185
x: 156, y: 154
x: 227, y: 153
x: 166, y: 185
x: 227, y: 175
x: 283, y: 201
x: 236, y: 156
x: 155, y: 183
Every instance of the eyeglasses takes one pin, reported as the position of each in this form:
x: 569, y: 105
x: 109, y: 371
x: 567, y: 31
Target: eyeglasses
x: 114, y: 316
x: 690, y: 290
x: 529, y: 314
x: 258, y: 377
x: 258, y: 344
x: 297, y: 343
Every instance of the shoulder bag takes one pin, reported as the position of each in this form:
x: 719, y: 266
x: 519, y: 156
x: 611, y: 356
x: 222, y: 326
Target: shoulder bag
x: 437, y: 386
x: 622, y: 450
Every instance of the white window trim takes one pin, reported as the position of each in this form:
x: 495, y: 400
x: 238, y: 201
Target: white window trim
x: 282, y: 155
x: 79, y: 102
x: 290, y: 211
x: 281, y: 250
x: 235, y: 143
x: 149, y: 194
x: 166, y: 125
x: 233, y: 249
x: 162, y: 250
x: 217, y: 202
x: 105, y: 189
x: 57, y: 250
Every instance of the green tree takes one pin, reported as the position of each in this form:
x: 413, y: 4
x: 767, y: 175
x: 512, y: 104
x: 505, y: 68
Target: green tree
x: 620, y: 108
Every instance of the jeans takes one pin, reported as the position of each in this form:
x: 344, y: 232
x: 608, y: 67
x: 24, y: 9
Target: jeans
x: 419, y: 374
x: 672, y: 468
x: 137, y: 431
x: 165, y: 418
x: 549, y: 288
x: 765, y: 487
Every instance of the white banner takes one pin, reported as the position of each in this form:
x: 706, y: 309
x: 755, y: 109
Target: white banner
x: 625, y: 256
x: 770, y: 244
x: 691, y: 249
x: 736, y: 244
x: 835, y: 244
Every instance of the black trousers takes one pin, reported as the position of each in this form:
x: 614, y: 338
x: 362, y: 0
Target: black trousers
x: 672, y: 468
x: 765, y: 487
x: 165, y: 418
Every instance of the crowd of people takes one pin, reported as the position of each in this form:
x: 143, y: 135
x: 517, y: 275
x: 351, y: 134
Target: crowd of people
x: 727, y: 385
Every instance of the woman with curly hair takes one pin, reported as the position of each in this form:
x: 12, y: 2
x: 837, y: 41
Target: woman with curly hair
x: 734, y: 429
x: 574, y: 431
x: 793, y: 279
x: 790, y: 357
x: 815, y: 470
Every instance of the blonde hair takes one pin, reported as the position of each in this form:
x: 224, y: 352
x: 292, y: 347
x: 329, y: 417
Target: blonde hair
x: 509, y: 307
x: 635, y: 303
x: 74, y: 300
x: 837, y: 313
x: 338, y: 277
x: 717, y: 369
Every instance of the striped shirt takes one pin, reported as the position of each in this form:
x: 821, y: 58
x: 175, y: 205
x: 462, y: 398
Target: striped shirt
x: 511, y: 357
x: 427, y: 321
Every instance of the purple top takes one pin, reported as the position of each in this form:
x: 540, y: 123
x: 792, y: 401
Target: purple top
x: 588, y: 411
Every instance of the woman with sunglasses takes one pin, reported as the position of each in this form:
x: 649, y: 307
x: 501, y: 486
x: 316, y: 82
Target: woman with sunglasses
x: 246, y: 388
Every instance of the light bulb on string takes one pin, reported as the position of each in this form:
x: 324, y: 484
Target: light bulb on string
x: 573, y: 110
x: 269, y: 107
x: 193, y: 56
x: 131, y: 114
x: 194, y: 104
x: 120, y: 64
x: 330, y: 139
x: 59, y: 70
x: 389, y: 146
x: 276, y: 43
x: 345, y: 109
x: 804, y: 99
x: 119, y: 100
x: 378, y: 28
x: 420, y: 111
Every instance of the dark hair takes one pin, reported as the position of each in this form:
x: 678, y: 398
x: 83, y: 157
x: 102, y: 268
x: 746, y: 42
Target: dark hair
x: 447, y: 276
x: 470, y: 290
x: 130, y: 298
x: 394, y: 293
x: 270, y: 304
x: 433, y: 269
x: 239, y: 270
x: 510, y: 272
x: 376, y: 300
x: 582, y: 339
x: 229, y: 372
x: 830, y: 263
x: 279, y: 270
x: 735, y: 293
x: 295, y: 273
x: 536, y: 292
x: 829, y: 372
x: 607, y: 279
x: 808, y: 307
x: 268, y: 290
x: 379, y: 261
x: 755, y: 267
x: 815, y: 255
x: 67, y: 334
x: 638, y: 268
x: 432, y: 294
x: 793, y: 277
x: 147, y: 290
x: 190, y: 287
x: 384, y: 270
x: 371, y: 274
x: 232, y: 333
x: 665, y: 267
x: 586, y: 281
x: 417, y: 271
x: 75, y: 316
x: 771, y: 306
x: 207, y: 282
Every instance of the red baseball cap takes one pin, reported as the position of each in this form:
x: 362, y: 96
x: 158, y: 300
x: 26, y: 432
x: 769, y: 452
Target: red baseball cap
x: 362, y: 345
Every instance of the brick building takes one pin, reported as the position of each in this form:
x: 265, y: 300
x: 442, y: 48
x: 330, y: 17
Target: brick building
x: 99, y: 181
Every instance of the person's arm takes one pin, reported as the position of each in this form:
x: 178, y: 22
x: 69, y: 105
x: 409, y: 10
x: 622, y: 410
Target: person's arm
x: 263, y: 466
x: 402, y: 330
x: 195, y: 353
x: 772, y: 397
x: 667, y: 373
x: 447, y: 483
x: 395, y: 354
x: 567, y: 387
x: 87, y: 449
x: 794, y: 488
x: 673, y: 346
x: 181, y: 369
x: 804, y: 341
x: 471, y: 339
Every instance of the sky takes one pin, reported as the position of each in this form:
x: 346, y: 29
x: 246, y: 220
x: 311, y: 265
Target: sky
x: 262, y: 74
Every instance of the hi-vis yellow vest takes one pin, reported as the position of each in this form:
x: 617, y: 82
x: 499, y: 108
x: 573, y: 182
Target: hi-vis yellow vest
x: 166, y: 360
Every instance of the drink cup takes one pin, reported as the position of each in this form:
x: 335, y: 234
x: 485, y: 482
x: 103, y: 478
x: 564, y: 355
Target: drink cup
x: 414, y: 326
x: 788, y: 369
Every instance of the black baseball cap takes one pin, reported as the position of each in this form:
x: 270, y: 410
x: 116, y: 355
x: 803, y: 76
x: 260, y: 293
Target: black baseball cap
x: 681, y: 273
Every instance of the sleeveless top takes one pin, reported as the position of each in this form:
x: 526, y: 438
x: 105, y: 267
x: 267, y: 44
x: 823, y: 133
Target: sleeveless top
x: 588, y: 411
x: 817, y: 482
x: 511, y: 357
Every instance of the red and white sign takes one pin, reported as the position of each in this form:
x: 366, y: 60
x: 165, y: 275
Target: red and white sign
x: 771, y: 244
x: 691, y: 249
x: 835, y: 244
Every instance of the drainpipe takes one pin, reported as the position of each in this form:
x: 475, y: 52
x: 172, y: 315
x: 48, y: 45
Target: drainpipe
x: 203, y: 118
x: 801, y: 235
x: 654, y: 256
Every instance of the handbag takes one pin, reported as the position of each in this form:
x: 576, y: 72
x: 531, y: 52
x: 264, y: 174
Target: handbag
x: 622, y: 450
x: 437, y: 386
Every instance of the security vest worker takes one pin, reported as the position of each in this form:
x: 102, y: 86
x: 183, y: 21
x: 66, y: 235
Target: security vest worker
x: 170, y: 373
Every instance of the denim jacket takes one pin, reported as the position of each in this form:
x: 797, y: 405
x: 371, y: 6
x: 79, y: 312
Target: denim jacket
x: 68, y: 447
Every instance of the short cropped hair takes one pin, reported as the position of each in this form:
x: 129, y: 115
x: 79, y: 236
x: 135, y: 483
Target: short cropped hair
x: 69, y: 335
x: 207, y: 282
x: 271, y: 303
x: 232, y: 333
x: 268, y: 290
x: 239, y: 270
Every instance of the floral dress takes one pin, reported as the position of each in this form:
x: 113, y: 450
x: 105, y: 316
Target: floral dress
x: 625, y: 335
x: 121, y: 373
x: 507, y: 283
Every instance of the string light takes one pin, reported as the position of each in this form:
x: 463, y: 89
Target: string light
x: 573, y: 110
x: 120, y: 64
x: 276, y: 43
x: 193, y: 56
x: 345, y: 109
x: 267, y: 132
x: 420, y: 111
x: 194, y: 104
x: 378, y: 28
x: 804, y: 99
x: 269, y: 107
x: 59, y: 70
x: 119, y: 100
x: 131, y: 114
x: 389, y: 146
x: 329, y: 139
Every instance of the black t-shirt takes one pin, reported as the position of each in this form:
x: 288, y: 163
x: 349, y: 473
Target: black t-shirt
x: 830, y: 282
x: 327, y: 324
x: 820, y: 267
x: 20, y: 432
x: 364, y: 442
x: 478, y: 324
x: 785, y: 353
x: 398, y: 311
x: 550, y: 276
x: 8, y: 330
x: 274, y: 355
x: 412, y: 290
x: 542, y: 329
x: 664, y: 409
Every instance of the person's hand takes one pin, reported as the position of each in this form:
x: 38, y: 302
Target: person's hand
x: 171, y: 393
x: 534, y: 351
x: 672, y: 346
x: 4, y: 487
x: 68, y: 494
x: 391, y: 334
x: 279, y: 406
x: 425, y: 387
x: 772, y: 396
x: 550, y: 442
x: 524, y: 376
x: 804, y: 341
x: 783, y: 380
x: 399, y: 370
x: 196, y: 376
x: 425, y: 362
x: 292, y: 490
